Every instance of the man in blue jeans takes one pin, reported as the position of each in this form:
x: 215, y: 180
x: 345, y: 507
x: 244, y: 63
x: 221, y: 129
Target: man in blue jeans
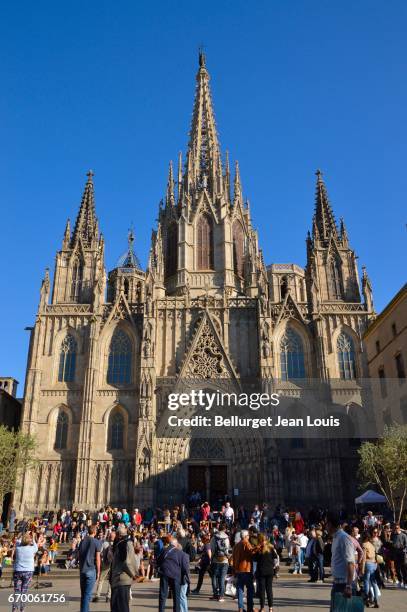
x: 242, y: 556
x: 220, y: 546
x: 89, y: 566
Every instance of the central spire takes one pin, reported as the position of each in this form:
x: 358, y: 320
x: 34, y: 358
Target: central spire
x: 203, y: 145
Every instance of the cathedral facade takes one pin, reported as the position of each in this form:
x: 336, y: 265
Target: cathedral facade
x: 107, y: 349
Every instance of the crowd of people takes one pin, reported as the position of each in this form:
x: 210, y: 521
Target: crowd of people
x: 240, y: 550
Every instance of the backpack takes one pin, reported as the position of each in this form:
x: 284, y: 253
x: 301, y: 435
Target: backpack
x: 107, y: 556
x: 221, y: 548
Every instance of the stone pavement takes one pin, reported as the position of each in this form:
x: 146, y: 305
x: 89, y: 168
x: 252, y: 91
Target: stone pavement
x: 290, y: 595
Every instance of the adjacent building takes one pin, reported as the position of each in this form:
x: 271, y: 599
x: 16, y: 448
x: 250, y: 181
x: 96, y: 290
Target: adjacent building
x: 386, y: 348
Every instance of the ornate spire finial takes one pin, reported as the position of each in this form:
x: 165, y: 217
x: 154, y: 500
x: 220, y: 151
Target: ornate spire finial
x: 170, y: 186
x: 324, y: 216
x: 203, y: 139
x: 201, y: 56
x: 130, y: 237
x: 86, y: 226
x: 237, y: 183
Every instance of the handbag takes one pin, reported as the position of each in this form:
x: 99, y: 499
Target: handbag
x: 347, y: 604
x: 230, y: 588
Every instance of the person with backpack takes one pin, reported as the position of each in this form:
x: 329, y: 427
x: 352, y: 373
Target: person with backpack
x: 123, y: 570
x: 220, y: 552
x: 106, y: 561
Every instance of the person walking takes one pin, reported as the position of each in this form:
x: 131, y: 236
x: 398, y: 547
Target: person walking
x: 343, y: 559
x: 220, y: 547
x: 171, y: 564
x: 369, y: 572
x: 242, y: 567
x: 266, y: 559
x: 399, y: 543
x: 124, y: 570
x: 89, y: 566
x: 106, y: 559
x: 204, y: 562
x: 24, y: 554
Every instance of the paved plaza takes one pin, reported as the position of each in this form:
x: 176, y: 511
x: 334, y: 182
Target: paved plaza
x: 291, y: 595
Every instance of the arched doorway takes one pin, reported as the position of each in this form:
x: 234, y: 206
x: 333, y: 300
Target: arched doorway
x: 208, y: 470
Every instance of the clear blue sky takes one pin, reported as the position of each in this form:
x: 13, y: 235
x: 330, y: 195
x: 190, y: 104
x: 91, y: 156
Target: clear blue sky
x: 297, y: 85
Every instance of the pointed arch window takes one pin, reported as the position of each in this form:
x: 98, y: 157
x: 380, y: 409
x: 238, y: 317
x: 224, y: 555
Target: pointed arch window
x: 67, y: 359
x: 335, y: 279
x: 119, y: 361
x: 283, y: 287
x: 61, y: 432
x: 205, y: 243
x: 238, y: 248
x: 291, y: 356
x: 77, y: 279
x: 346, y: 357
x: 126, y: 288
x: 171, y: 254
x: 116, y: 431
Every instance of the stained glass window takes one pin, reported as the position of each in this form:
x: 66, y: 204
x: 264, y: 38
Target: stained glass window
x: 346, y: 357
x: 205, y: 243
x: 119, y: 363
x: 116, y: 431
x: 291, y: 356
x: 61, y: 433
x: 67, y: 360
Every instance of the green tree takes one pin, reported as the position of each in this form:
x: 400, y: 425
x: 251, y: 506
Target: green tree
x: 384, y: 464
x: 17, y: 454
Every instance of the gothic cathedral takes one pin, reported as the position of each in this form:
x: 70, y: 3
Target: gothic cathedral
x: 106, y: 349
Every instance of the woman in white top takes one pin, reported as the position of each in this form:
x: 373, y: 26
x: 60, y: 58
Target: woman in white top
x: 24, y: 554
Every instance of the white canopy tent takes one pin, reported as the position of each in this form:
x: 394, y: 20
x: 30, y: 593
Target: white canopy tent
x: 371, y: 497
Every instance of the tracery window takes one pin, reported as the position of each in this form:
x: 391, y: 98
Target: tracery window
x: 291, y: 356
x: 238, y: 248
x: 61, y: 432
x: 171, y: 255
x: 116, y: 431
x: 205, y: 243
x: 67, y: 360
x: 346, y: 357
x: 119, y: 361
x: 77, y: 278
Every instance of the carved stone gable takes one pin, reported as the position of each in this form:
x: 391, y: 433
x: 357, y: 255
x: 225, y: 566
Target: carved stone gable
x: 290, y: 310
x: 206, y: 357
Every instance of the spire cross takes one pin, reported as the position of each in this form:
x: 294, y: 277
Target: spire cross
x: 90, y: 174
x: 319, y: 174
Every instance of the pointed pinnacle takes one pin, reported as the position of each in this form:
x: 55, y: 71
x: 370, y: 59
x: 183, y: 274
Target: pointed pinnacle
x: 237, y: 183
x: 86, y: 226
x: 180, y: 167
x: 201, y: 57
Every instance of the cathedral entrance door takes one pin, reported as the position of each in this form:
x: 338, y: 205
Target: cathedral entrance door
x: 218, y: 483
x: 197, y: 480
x: 210, y: 481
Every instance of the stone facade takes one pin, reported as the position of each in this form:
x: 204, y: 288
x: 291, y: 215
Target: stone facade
x: 107, y: 349
x: 386, y: 348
